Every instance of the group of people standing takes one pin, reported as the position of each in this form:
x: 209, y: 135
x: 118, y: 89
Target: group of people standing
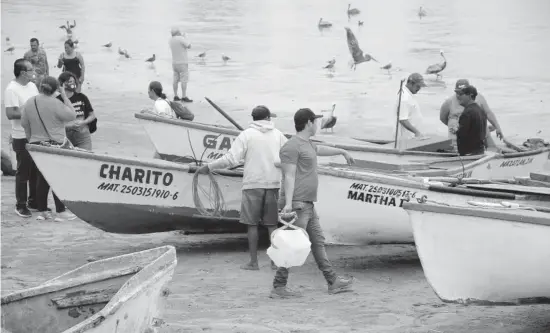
x: 44, y: 109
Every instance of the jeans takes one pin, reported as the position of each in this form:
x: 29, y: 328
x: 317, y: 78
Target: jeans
x: 308, y: 219
x: 25, y: 175
x: 80, y: 138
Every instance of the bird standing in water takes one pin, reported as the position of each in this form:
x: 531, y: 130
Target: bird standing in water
x: 330, y: 121
x: 152, y: 59
x: 324, y: 24
x: 225, y: 58
x: 387, y: 67
x: 437, y: 68
x: 330, y: 64
x: 352, y: 11
x: 356, y: 52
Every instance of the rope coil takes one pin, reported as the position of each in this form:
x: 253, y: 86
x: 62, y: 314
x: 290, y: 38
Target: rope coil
x: 213, y: 194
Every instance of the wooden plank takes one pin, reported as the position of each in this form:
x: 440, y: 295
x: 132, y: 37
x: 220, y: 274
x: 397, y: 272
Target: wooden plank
x: 529, y: 182
x: 540, y: 176
x: 84, y: 297
x: 512, y: 188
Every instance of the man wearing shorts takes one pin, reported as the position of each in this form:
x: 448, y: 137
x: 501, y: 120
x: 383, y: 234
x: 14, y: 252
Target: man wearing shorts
x: 259, y: 147
x: 180, y: 64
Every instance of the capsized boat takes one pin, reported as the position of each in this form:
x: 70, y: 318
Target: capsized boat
x: 356, y: 206
x: 204, y: 142
x: 123, y: 294
x: 484, y: 253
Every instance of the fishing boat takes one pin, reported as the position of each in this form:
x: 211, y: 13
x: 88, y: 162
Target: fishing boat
x: 122, y: 195
x: 204, y: 142
x: 484, y: 253
x: 123, y: 294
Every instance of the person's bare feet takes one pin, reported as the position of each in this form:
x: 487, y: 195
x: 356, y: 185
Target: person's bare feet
x: 250, y: 266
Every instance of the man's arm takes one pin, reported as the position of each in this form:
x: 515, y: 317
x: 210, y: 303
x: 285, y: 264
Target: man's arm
x: 490, y: 115
x: 233, y: 157
x: 46, y: 63
x: 404, y: 114
x: 82, y: 67
x: 25, y: 123
x: 331, y: 151
x: 444, y: 111
x: 289, y: 173
x: 409, y: 126
x: 12, y: 105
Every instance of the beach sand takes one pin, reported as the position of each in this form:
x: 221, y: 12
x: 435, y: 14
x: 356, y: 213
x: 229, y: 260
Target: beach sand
x: 209, y: 293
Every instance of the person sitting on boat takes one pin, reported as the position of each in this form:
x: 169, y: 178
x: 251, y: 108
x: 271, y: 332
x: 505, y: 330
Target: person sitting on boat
x: 472, y: 124
x: 410, y: 117
x: 161, y: 107
x: 259, y: 147
x: 451, y: 110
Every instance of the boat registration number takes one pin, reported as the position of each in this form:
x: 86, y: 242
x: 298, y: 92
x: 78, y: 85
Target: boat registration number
x: 138, y: 190
x: 381, y: 195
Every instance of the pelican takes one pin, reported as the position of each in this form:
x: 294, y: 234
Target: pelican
x: 324, y: 24
x: 356, y: 52
x: 353, y: 11
x: 152, y: 59
x: 437, y: 68
x: 225, y: 58
x: 360, y: 23
x: 421, y: 12
x: 108, y: 44
x: 387, y: 67
x: 10, y: 49
x: 330, y: 121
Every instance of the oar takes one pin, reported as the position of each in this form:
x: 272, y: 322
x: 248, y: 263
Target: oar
x: 231, y: 120
x: 398, y: 112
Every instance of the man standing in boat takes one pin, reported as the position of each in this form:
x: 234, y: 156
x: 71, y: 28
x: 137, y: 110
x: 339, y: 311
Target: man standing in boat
x: 451, y: 110
x: 259, y: 147
x: 410, y: 117
x: 298, y: 194
x: 472, y: 124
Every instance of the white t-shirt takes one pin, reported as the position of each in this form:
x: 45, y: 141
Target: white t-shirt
x: 410, y: 110
x: 179, y: 45
x: 163, y: 108
x: 16, y: 95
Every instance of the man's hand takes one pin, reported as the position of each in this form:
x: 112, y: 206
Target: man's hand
x: 500, y: 135
x: 286, y: 209
x: 203, y: 169
x: 348, y: 157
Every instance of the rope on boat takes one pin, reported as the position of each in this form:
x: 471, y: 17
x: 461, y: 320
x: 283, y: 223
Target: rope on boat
x: 213, y: 194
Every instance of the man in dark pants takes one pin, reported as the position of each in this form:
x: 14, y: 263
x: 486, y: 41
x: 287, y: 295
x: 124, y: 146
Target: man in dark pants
x: 472, y: 124
x: 299, y: 192
x: 17, y: 93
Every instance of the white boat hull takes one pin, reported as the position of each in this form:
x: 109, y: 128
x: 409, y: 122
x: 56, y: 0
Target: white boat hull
x: 484, y: 260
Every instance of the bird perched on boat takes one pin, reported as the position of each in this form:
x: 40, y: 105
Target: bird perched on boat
x: 225, y: 58
x: 387, y: 67
x: 324, y: 24
x: 330, y: 64
x: 437, y: 68
x: 10, y: 49
x: 353, y: 11
x: 356, y: 52
x: 360, y: 23
x: 108, y: 44
x: 330, y: 121
x: 151, y: 59
x: 421, y: 12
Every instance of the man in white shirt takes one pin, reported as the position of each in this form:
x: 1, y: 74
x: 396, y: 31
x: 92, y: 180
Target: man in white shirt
x: 16, y: 95
x: 410, y: 117
x: 180, y: 64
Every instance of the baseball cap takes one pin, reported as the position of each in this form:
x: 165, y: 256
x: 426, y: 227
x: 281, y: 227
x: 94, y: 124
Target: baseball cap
x: 417, y: 78
x: 461, y: 84
x: 262, y: 112
x: 302, y: 116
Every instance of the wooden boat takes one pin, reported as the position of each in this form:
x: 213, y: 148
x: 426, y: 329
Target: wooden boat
x: 124, y: 294
x: 357, y: 207
x: 205, y: 142
x: 490, y: 254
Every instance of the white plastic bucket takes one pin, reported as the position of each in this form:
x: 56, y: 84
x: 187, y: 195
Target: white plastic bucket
x: 290, y: 245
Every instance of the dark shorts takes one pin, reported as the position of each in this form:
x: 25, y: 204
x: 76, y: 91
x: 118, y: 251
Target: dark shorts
x: 259, y: 206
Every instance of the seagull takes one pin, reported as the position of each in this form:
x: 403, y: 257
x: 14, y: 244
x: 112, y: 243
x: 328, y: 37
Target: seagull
x: 437, y: 68
x: 10, y: 49
x: 360, y: 23
x: 152, y: 59
x: 353, y: 11
x: 108, y: 44
x: 225, y: 58
x: 202, y: 55
x: 387, y: 67
x: 356, y: 52
x: 120, y: 51
x: 330, y: 64
x: 324, y: 24
x: 126, y: 54
x: 421, y: 12
x: 330, y: 121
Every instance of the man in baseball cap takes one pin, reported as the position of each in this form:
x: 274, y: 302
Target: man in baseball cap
x: 451, y: 110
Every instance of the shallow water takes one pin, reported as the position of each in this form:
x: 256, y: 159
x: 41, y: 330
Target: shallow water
x: 278, y: 53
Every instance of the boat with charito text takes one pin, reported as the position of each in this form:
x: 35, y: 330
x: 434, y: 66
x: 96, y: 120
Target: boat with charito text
x: 356, y: 206
x: 484, y: 254
x: 123, y: 294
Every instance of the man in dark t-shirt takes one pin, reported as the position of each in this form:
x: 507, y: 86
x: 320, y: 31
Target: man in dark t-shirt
x: 472, y: 124
x: 298, y: 194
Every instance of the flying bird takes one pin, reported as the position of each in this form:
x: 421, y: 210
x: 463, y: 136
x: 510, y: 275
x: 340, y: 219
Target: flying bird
x: 108, y: 44
x: 356, y: 52
x: 324, y: 24
x: 330, y: 121
x: 360, y: 23
x: 437, y: 68
x: 121, y: 51
x: 225, y: 58
x: 387, y: 67
x: 353, y: 11
x: 72, y: 25
x: 151, y: 59
x: 421, y: 12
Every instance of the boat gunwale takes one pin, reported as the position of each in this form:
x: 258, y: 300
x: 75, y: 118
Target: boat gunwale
x: 505, y: 214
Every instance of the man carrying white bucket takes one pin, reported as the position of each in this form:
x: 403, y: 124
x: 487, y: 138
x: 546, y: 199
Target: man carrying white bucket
x: 259, y: 147
x: 299, y: 192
